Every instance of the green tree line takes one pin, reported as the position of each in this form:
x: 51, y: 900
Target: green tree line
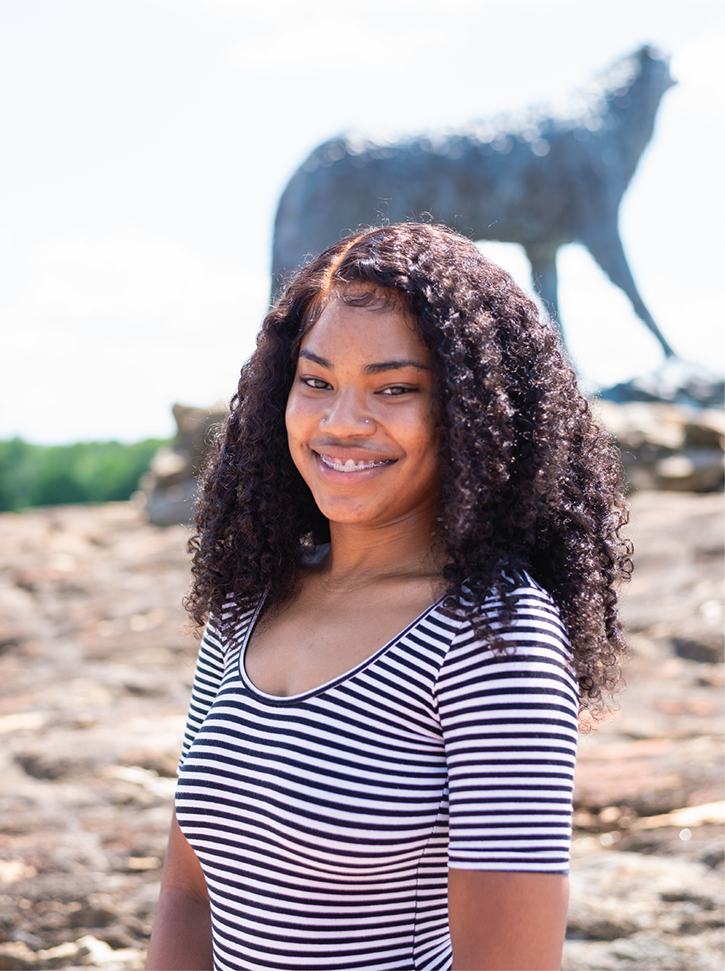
x: 47, y: 475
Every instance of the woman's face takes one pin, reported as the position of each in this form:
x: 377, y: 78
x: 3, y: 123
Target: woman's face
x: 360, y: 417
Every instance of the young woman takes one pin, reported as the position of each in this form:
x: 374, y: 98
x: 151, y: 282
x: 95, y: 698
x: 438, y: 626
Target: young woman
x: 407, y: 554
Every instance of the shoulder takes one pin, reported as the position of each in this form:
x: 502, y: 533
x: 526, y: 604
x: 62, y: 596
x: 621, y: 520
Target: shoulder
x: 520, y: 635
x: 226, y: 631
x: 524, y: 615
x: 509, y: 654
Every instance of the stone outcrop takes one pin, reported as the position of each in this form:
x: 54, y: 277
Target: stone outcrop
x: 95, y: 672
x: 167, y: 490
x: 677, y: 382
x: 667, y: 446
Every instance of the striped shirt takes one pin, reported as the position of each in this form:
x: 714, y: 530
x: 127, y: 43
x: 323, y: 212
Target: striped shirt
x: 325, y: 822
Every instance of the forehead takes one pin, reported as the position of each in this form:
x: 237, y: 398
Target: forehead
x: 346, y: 330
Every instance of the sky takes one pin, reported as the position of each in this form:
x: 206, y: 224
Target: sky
x: 146, y: 144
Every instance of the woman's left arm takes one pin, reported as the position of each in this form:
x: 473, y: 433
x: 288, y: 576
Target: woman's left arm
x: 509, y: 722
x: 506, y: 921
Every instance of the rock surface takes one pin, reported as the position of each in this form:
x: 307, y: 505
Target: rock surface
x: 665, y: 445
x: 167, y: 490
x: 95, y: 672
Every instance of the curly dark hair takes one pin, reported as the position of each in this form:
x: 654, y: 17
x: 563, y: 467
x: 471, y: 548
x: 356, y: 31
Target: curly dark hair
x: 528, y: 479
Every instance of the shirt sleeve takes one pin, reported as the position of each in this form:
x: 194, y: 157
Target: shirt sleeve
x: 509, y: 725
x: 207, y: 678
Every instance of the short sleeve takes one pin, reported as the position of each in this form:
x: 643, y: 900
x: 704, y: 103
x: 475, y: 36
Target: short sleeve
x: 509, y: 724
x: 207, y: 678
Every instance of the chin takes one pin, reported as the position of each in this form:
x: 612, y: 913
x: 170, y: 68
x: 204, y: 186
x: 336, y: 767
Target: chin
x: 345, y: 517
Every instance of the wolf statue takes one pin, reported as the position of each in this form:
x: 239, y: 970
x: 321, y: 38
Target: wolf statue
x: 543, y: 180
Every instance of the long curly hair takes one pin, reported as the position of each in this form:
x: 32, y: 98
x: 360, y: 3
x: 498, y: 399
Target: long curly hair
x: 528, y: 479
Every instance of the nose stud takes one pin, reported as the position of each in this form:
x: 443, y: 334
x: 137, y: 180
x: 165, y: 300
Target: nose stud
x: 325, y: 417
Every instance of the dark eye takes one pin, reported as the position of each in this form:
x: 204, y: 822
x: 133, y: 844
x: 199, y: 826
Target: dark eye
x: 317, y: 383
x: 396, y: 390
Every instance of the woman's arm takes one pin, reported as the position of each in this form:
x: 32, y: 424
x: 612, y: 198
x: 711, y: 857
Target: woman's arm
x: 502, y: 921
x: 181, y: 938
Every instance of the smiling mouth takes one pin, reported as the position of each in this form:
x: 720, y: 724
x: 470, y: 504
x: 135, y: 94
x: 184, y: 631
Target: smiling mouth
x: 350, y: 465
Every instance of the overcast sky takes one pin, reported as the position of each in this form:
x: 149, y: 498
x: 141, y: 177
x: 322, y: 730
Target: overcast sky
x: 146, y: 143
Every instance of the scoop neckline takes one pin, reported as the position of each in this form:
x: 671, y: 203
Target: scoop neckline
x: 333, y: 682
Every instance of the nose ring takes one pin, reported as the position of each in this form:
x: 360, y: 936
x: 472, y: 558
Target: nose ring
x: 325, y: 417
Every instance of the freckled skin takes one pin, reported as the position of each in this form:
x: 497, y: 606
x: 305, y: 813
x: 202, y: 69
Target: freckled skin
x: 362, y: 392
x: 352, y: 407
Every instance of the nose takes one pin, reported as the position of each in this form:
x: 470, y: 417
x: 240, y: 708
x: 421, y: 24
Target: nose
x: 348, y: 416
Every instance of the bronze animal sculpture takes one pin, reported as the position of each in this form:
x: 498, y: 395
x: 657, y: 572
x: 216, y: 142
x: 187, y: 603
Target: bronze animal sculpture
x: 542, y: 181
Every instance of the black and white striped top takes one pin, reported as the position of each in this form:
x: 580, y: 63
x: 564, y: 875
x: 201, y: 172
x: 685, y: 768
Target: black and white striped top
x: 325, y: 822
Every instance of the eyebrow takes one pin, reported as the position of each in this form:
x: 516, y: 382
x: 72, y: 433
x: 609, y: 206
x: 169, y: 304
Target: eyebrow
x: 369, y: 368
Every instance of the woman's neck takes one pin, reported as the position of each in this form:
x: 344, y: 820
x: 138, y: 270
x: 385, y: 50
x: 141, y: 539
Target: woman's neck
x: 403, y: 549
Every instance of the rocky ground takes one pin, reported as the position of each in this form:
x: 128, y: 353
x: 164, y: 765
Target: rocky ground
x: 95, y: 671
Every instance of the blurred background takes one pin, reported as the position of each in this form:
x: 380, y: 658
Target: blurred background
x: 145, y: 144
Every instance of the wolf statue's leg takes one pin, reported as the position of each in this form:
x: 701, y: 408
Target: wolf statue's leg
x: 543, y: 274
x: 606, y: 247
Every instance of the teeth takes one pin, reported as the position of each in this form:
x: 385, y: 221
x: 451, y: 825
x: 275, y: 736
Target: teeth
x: 349, y: 465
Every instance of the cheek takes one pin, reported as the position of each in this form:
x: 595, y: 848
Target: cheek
x: 429, y: 469
x: 297, y: 425
x: 423, y: 434
x: 292, y: 415
x: 429, y: 457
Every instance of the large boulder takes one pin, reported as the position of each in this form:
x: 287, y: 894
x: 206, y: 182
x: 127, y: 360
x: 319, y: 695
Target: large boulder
x: 667, y: 446
x: 168, y: 489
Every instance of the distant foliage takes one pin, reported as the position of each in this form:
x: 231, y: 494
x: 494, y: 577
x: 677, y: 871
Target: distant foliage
x: 38, y: 475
